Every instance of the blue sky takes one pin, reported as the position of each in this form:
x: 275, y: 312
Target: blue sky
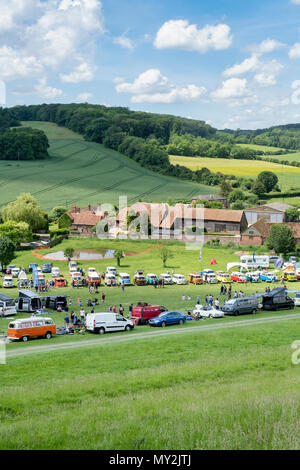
x: 231, y: 63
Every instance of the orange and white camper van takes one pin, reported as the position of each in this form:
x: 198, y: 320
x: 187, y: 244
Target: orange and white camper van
x: 34, y: 327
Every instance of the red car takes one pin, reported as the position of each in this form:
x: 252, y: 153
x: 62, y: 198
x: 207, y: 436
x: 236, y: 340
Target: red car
x: 142, y: 314
x: 238, y: 277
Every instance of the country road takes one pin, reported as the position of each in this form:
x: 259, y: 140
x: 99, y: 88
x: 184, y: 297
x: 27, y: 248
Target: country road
x: 127, y: 337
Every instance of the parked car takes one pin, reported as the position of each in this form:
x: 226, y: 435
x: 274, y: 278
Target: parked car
x: 166, y: 278
x: 94, y: 279
x: 143, y: 313
x: 238, y: 277
x: 209, y: 276
x: 277, y: 299
x: 240, y: 306
x: 179, y: 279
x: 10, y: 268
x: 168, y: 318
x: 73, y: 264
x: 124, y: 279
x: 102, y: 323
x: 112, y: 270
x: 47, y: 268
x: 92, y: 271
x: 60, y: 282
x: 223, y: 277
x: 28, y: 301
x: 289, y: 276
x: 297, y: 299
x: 195, y: 278
x: 35, y: 327
x: 7, y: 306
x: 55, y: 272
x: 15, y: 272
x: 273, y: 259
x: 139, y: 278
x: 76, y: 279
x: 151, y: 278
x: 110, y: 280
x: 293, y: 259
x: 73, y: 270
x: 208, y: 312
x: 8, y: 282
x: 269, y: 276
x: 253, y: 277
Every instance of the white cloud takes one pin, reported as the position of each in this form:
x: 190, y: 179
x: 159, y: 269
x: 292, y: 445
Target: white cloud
x: 248, y: 65
x: 82, y: 73
x: 296, y: 2
x: 15, y: 65
x: 153, y: 87
x: 266, y: 46
x: 13, y: 12
x: 175, y: 95
x: 231, y: 88
x: 84, y: 97
x: 124, y: 42
x: 150, y: 81
x: 295, y: 50
x: 46, y: 91
x: 179, y: 34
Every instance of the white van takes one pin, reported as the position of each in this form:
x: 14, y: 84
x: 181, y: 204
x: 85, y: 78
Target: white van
x: 179, y: 279
x: 102, y: 323
x: 111, y: 270
x: 7, y: 306
x: 256, y: 261
x: 55, y: 272
x: 8, y: 282
x: 72, y: 264
x: 166, y: 278
x: 15, y: 272
x: 110, y: 280
x: 124, y: 278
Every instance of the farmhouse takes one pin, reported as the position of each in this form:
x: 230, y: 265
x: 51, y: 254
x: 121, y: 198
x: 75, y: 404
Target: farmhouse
x: 83, y: 220
x: 211, y: 220
x: 257, y: 233
x: 155, y: 213
x: 272, y: 213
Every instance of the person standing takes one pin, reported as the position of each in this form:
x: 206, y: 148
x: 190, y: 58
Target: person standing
x: 103, y: 298
x: 121, y: 310
x: 67, y: 322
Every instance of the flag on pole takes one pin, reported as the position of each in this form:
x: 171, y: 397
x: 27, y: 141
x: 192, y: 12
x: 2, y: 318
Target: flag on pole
x: 253, y: 255
x: 200, y: 257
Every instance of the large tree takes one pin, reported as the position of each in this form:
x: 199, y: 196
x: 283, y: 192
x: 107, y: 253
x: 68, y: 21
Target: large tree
x: 7, y: 251
x: 18, y: 232
x: 281, y: 239
x: 25, y: 209
x: 268, y: 179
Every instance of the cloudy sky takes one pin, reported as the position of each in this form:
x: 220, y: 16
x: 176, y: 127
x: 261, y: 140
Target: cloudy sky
x: 231, y: 63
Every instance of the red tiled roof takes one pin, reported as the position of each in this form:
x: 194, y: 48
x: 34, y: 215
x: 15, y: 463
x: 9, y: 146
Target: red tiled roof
x: 85, y: 218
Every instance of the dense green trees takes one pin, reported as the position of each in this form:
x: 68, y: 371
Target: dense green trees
x: 17, y: 232
x: 23, y: 144
x: 281, y: 239
x: 268, y: 179
x: 7, y: 251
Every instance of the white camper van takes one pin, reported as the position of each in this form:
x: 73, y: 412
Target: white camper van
x: 7, y: 306
x: 256, y: 261
x: 102, y: 323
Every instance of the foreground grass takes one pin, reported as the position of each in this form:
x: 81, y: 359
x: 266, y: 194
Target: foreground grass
x: 218, y: 390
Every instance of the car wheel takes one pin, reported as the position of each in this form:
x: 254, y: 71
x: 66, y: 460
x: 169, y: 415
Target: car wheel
x: 48, y: 335
x: 180, y: 321
x: 127, y: 328
x: 210, y: 316
x: 163, y: 324
x: 236, y: 313
x: 101, y: 331
x: 24, y: 339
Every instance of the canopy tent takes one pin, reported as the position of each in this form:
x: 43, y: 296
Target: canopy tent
x: 237, y: 265
x: 213, y: 262
x: 22, y: 276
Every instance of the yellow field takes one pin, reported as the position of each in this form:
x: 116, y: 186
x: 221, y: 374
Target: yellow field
x: 288, y: 176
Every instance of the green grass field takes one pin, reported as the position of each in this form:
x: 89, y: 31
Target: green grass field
x: 85, y: 172
x: 262, y: 148
x: 233, y: 388
x: 289, y: 177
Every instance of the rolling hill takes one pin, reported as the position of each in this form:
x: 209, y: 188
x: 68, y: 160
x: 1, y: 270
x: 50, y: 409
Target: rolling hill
x: 86, y: 172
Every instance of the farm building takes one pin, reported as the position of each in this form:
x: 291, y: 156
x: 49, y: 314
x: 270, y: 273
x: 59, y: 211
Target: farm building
x: 155, y: 213
x: 212, y: 220
x: 83, y: 220
x: 272, y: 213
x: 257, y: 233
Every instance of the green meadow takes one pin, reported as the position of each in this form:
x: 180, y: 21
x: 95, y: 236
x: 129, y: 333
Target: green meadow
x: 86, y: 172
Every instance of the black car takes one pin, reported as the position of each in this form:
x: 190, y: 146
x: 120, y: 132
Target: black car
x: 277, y: 299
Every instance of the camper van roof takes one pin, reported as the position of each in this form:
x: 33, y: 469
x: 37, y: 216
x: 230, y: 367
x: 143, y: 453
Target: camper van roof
x: 4, y: 297
x: 28, y: 293
x: 274, y: 292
